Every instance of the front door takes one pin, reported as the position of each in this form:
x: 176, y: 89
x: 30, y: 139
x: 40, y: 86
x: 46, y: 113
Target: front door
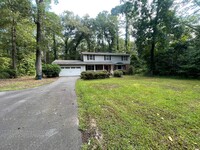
x: 107, y: 67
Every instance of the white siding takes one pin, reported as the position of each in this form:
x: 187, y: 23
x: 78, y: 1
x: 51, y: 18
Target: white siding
x: 116, y: 59
x: 99, y: 58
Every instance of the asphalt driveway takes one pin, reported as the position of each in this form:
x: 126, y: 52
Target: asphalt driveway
x: 43, y: 118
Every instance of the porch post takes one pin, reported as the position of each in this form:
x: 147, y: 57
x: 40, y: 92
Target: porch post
x: 94, y: 67
x: 112, y: 68
x: 103, y: 67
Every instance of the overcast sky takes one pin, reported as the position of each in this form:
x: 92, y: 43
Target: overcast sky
x: 82, y: 7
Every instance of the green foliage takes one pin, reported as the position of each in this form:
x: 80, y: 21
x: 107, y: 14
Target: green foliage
x: 106, y: 29
x: 5, y: 63
x: 5, y: 71
x: 8, y: 73
x: 12, y: 73
x: 131, y: 70
x: 89, y: 75
x: 26, y: 65
x: 182, y: 58
x: 118, y: 73
x: 51, y: 70
x: 4, y: 75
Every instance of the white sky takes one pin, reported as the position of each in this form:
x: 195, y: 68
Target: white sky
x: 82, y: 7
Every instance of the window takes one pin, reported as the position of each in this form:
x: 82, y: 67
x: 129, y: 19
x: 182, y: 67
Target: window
x: 124, y: 58
x: 107, y: 57
x: 99, y: 67
x: 90, y: 67
x: 90, y: 57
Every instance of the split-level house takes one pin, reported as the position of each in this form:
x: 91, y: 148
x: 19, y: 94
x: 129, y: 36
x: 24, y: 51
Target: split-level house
x: 94, y: 62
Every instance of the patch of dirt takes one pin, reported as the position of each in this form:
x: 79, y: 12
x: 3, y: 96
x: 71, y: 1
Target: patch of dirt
x: 194, y: 105
x: 92, y: 133
x: 138, y: 102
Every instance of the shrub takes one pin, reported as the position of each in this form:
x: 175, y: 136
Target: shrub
x: 26, y: 65
x: 8, y: 73
x: 124, y: 72
x: 118, y: 73
x: 4, y: 75
x: 51, y: 70
x: 12, y: 73
x: 5, y: 63
x: 131, y: 70
x: 88, y: 75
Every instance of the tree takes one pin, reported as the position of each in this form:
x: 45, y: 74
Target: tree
x: 40, y: 14
x: 106, y: 27
x: 152, y: 28
x: 127, y: 10
x: 12, y: 12
x: 77, y: 31
x: 53, y: 33
x: 71, y: 24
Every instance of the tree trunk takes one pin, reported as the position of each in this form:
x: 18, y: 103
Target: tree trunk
x: 117, y: 41
x: 54, y: 47
x: 14, y: 49
x: 38, y: 63
x: 77, y: 44
x: 48, y: 55
x: 66, y: 55
x: 127, y: 34
x: 89, y: 44
x: 152, y: 67
x: 153, y: 43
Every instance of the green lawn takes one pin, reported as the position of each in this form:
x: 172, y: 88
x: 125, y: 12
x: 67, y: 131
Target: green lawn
x: 141, y: 113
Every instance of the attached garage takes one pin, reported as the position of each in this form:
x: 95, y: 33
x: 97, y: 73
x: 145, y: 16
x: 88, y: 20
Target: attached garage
x: 70, y: 71
x: 70, y: 67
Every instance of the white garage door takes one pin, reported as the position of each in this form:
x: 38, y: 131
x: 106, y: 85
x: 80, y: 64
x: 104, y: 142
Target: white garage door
x: 70, y: 71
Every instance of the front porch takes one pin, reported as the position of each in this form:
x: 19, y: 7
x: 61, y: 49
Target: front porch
x: 109, y: 68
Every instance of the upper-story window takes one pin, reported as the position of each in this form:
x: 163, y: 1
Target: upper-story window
x: 90, y: 57
x: 107, y: 57
x: 124, y: 58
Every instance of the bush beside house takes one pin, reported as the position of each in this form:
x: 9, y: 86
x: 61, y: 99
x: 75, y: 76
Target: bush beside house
x: 89, y: 75
x: 117, y: 73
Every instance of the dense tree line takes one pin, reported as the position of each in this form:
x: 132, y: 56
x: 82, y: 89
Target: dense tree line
x: 166, y: 41
x: 160, y: 39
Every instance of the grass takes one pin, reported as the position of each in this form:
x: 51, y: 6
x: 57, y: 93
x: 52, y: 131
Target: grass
x: 23, y: 83
x: 140, y: 113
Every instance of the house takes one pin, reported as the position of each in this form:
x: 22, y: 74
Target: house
x: 94, y: 62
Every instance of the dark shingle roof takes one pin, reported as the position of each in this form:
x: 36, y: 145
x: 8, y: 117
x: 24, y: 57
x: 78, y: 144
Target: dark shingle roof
x: 101, y: 53
x: 70, y: 62
x: 79, y: 62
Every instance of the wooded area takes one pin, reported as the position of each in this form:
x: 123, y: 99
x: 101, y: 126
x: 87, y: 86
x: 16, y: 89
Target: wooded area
x: 163, y: 36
